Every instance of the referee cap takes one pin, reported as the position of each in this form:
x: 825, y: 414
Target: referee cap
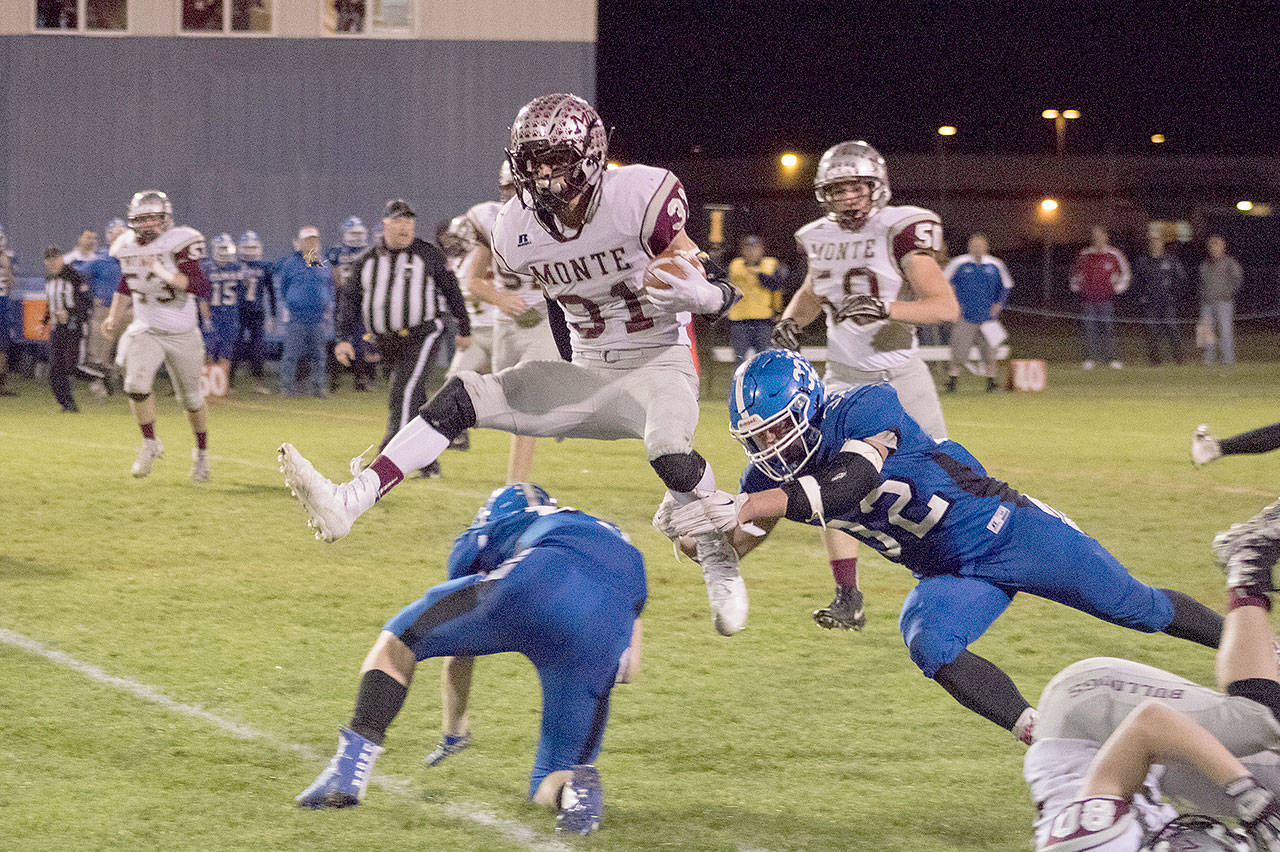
x: 396, y: 208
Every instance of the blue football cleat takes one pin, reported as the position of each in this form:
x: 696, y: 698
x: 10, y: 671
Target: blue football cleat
x: 581, y: 802
x: 344, y: 780
x: 448, y: 746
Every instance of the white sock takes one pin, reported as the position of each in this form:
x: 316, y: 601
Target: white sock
x: 416, y: 445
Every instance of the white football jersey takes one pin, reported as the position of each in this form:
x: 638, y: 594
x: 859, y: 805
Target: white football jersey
x: 156, y: 303
x: 1054, y: 770
x: 482, y: 217
x: 869, y: 260
x: 597, y: 276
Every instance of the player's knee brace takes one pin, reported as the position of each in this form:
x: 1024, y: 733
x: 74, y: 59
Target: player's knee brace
x: 681, y: 472
x: 139, y: 397
x: 450, y: 411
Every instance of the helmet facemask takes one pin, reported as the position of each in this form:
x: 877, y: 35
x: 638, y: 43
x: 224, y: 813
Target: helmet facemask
x: 250, y: 247
x: 780, y: 446
x: 150, y: 214
x: 848, y: 202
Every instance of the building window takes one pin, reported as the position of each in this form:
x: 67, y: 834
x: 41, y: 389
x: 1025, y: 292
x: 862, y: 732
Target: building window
x: 82, y: 16
x: 226, y: 16
x: 368, y: 17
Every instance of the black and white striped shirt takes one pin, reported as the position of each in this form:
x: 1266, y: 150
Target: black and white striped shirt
x: 67, y: 292
x: 399, y: 290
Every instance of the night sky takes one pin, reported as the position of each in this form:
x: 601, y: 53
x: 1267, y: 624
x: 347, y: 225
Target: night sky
x: 759, y: 78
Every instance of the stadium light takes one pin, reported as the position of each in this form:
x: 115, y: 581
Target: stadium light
x: 1157, y: 138
x: 946, y: 130
x: 1048, y: 206
x: 1244, y: 206
x: 1059, y: 119
x: 789, y: 160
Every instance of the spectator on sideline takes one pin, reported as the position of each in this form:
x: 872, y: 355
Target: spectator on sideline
x: 8, y: 279
x: 306, y: 288
x: 1099, y: 274
x: 1220, y: 278
x: 982, y: 283
x: 69, y: 303
x: 761, y: 280
x: 1158, y: 278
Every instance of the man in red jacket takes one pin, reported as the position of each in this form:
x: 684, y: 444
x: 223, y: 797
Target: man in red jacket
x: 1099, y: 274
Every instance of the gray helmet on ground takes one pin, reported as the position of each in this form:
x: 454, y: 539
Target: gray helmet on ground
x: 852, y: 161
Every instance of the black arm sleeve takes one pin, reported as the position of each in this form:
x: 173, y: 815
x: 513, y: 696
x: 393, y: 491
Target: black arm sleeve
x: 82, y: 297
x: 841, y: 486
x: 559, y: 329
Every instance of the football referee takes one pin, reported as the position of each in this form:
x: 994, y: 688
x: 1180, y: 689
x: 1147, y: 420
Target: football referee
x: 403, y: 284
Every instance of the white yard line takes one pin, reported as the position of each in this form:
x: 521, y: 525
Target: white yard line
x: 510, y: 830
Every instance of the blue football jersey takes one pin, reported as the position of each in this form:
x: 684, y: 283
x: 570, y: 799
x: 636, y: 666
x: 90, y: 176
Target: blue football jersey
x: 257, y: 284
x: 225, y: 283
x: 485, y: 546
x: 341, y: 257
x: 936, y: 509
x: 104, y: 276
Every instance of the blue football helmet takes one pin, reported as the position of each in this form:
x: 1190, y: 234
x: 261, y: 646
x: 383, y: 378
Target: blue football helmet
x: 774, y: 402
x: 354, y: 233
x: 223, y: 249
x: 250, y: 246
x: 1197, y: 831
x: 510, y: 499
x: 114, y: 228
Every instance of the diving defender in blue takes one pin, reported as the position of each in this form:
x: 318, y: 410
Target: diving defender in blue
x: 855, y: 461
x: 557, y: 585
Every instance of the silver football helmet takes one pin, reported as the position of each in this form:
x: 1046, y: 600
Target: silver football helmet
x: 506, y: 181
x: 458, y: 238
x: 1197, y: 831
x: 851, y: 162
x: 557, y: 154
x: 354, y: 233
x: 143, y: 206
x: 249, y: 246
x: 223, y: 249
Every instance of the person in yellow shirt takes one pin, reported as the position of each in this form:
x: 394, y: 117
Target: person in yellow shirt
x: 761, y: 280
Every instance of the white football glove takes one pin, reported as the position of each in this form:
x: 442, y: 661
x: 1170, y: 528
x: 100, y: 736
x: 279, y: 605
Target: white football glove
x: 717, y: 513
x: 163, y: 270
x: 693, y: 293
x: 662, y: 517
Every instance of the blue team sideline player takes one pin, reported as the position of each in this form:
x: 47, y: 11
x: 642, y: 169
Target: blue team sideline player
x: 555, y: 584
x: 226, y: 281
x: 257, y: 303
x: 342, y: 257
x: 855, y: 461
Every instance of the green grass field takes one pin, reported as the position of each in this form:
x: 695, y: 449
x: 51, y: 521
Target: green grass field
x: 782, y: 737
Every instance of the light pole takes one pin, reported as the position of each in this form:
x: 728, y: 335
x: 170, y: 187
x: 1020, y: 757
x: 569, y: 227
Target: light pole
x: 944, y: 131
x: 1047, y: 213
x: 1059, y: 119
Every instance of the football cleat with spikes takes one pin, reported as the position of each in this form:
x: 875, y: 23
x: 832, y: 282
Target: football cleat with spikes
x: 725, y: 588
x: 844, y: 612
x: 448, y: 746
x: 150, y: 450
x: 199, y: 465
x: 345, y: 779
x: 331, y: 509
x: 581, y: 802
x: 1204, y: 447
x: 1247, y: 551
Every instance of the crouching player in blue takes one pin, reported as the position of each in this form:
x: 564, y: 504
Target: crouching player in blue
x: 855, y: 461
x: 555, y: 584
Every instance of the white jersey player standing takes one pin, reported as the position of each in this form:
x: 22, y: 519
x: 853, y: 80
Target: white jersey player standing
x: 161, y: 276
x: 873, y: 270
x: 585, y: 237
x: 1114, y: 735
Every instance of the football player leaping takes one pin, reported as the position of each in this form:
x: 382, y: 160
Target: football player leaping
x: 856, y: 462
x: 585, y: 236
x: 1105, y: 722
x: 160, y: 271
x: 873, y: 269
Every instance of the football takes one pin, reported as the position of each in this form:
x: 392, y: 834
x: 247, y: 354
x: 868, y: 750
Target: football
x: 667, y: 262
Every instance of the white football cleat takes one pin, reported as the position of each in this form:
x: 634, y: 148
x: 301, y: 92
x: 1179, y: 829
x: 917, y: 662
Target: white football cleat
x: 150, y: 450
x: 199, y: 465
x: 331, y: 509
x: 725, y: 588
x: 1204, y: 447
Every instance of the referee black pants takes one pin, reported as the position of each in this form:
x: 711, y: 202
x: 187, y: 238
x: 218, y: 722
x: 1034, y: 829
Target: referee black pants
x: 409, y: 359
x: 64, y: 352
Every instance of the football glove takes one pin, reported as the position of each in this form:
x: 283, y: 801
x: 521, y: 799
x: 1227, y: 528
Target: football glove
x: 862, y: 309
x: 786, y: 334
x: 662, y: 517
x: 1259, y: 815
x: 692, y: 293
x: 717, y: 513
